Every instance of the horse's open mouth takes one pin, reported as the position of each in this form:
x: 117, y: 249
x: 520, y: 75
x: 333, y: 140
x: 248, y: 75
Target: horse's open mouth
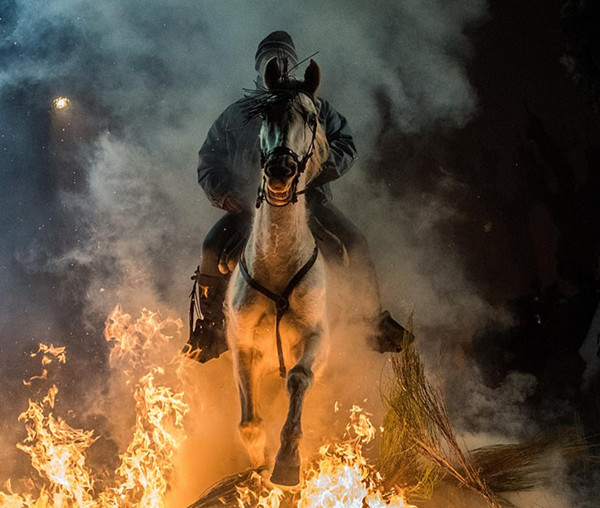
x: 279, y: 196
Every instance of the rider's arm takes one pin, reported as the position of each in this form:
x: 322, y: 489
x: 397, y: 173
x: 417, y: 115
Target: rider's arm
x: 342, y: 151
x: 213, y: 163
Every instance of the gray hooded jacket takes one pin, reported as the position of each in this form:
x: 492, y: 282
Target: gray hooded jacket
x: 229, y: 160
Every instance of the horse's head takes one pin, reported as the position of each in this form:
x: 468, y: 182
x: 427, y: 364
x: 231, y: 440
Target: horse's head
x: 292, y: 142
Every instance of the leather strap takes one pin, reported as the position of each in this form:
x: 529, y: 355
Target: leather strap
x: 282, y: 302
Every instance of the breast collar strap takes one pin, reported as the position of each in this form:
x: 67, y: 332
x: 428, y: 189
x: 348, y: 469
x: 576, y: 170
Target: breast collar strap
x: 282, y: 302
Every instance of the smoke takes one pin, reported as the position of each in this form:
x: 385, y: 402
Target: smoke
x: 99, y: 203
x: 148, y: 80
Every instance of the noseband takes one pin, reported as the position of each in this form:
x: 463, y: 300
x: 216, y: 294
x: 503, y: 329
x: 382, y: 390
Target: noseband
x: 301, y: 163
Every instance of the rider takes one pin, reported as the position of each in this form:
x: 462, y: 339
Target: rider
x: 227, y: 171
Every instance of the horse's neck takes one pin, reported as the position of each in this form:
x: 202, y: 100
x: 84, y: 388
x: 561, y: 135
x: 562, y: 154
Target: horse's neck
x: 280, y: 242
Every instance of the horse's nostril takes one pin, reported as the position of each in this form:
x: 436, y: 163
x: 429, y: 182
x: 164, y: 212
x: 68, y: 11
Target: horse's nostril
x: 278, y: 171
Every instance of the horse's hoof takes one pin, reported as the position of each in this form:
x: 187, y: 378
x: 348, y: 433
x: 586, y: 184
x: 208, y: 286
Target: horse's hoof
x: 286, y: 472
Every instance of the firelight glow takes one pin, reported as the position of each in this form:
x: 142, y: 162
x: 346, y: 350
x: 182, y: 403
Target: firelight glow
x: 341, y: 477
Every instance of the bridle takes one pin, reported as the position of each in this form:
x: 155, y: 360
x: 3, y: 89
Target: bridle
x: 301, y: 163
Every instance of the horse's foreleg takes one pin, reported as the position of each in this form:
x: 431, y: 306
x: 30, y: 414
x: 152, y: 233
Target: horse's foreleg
x: 251, y: 426
x: 299, y: 380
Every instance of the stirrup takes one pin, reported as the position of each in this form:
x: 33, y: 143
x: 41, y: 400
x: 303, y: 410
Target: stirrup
x: 206, y: 342
x: 391, y: 335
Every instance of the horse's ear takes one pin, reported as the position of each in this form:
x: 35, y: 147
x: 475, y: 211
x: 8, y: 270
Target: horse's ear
x: 272, y: 74
x: 312, y: 77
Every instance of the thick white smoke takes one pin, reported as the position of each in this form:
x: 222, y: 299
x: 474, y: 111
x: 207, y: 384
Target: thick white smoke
x: 166, y: 71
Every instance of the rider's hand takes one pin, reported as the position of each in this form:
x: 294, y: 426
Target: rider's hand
x: 231, y: 253
x: 233, y: 248
x: 234, y: 203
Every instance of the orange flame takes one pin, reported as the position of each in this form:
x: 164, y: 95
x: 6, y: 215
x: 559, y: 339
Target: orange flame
x: 49, y: 354
x: 340, y: 478
x: 343, y: 477
x: 58, y: 451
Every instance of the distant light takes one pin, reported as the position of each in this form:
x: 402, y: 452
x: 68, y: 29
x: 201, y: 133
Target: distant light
x: 61, y: 102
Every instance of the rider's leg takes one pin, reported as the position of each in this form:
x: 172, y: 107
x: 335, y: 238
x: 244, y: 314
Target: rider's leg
x: 390, y: 334
x: 208, y: 340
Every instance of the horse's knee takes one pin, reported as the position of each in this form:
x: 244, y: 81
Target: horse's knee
x: 299, y: 378
x: 254, y: 437
x: 251, y: 430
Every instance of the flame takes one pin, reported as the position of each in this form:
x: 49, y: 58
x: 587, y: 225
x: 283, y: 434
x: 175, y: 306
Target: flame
x: 48, y: 352
x: 253, y: 493
x: 58, y: 451
x: 341, y: 477
x: 144, y: 466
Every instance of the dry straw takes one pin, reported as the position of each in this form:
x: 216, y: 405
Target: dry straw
x: 419, y: 447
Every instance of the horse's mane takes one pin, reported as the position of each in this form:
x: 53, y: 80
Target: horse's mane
x: 257, y: 101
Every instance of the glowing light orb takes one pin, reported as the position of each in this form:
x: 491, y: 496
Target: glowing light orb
x: 61, y: 102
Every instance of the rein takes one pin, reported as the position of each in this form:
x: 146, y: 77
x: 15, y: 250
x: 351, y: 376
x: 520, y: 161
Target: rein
x: 282, y: 302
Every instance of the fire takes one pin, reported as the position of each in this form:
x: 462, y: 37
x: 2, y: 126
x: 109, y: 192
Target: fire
x: 48, y: 353
x: 142, y: 473
x: 344, y: 477
x: 341, y: 477
x: 58, y: 451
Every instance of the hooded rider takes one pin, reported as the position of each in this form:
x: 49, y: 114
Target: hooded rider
x: 227, y: 172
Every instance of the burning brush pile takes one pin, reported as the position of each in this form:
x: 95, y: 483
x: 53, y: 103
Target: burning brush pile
x: 418, y: 447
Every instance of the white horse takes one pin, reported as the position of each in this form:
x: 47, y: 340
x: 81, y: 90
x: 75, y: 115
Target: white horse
x: 275, y: 303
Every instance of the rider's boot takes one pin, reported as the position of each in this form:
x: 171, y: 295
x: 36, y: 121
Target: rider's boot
x: 390, y: 336
x: 208, y: 339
